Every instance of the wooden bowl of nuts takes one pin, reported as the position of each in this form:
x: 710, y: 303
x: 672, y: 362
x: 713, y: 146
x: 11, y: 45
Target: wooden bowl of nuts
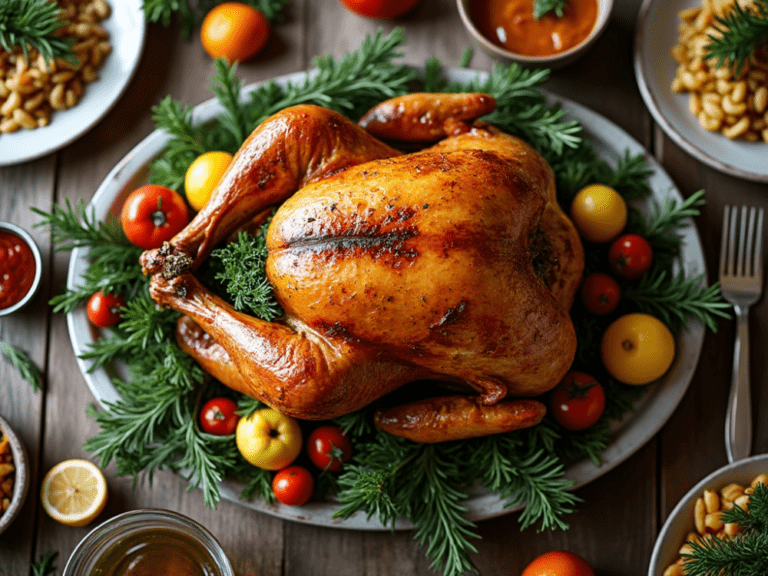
x: 14, y: 476
x: 699, y: 516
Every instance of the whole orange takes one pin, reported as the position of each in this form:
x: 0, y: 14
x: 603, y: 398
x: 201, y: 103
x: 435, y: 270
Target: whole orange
x: 558, y: 563
x: 234, y: 31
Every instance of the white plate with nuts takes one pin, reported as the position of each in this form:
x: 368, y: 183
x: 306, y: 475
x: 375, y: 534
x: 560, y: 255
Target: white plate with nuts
x: 657, y: 33
x: 698, y: 513
x: 42, y: 111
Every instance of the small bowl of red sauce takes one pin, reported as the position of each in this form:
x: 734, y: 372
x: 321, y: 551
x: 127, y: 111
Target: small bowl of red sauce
x: 20, y: 268
x: 513, y: 30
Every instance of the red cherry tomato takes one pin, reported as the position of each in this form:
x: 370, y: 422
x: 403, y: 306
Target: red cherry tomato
x: 382, y: 9
x: 104, y: 309
x: 328, y: 447
x: 600, y: 293
x: 578, y: 401
x: 293, y: 486
x: 218, y: 416
x: 153, y: 214
x: 630, y: 256
x: 558, y: 563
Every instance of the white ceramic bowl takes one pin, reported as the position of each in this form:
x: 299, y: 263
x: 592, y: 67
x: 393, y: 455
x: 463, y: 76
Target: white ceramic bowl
x: 604, y: 8
x: 680, y: 521
x: 21, y: 481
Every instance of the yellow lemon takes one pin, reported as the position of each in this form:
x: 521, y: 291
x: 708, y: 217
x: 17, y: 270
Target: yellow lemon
x: 203, y: 176
x: 74, y: 492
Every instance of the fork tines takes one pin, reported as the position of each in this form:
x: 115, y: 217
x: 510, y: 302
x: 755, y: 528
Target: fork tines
x: 735, y: 257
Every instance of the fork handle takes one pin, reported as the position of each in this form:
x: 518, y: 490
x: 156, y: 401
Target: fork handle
x: 738, y: 418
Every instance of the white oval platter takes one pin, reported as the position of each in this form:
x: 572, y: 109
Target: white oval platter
x: 652, y: 412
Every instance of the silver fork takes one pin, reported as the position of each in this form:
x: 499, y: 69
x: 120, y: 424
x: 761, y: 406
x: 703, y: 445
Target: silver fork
x: 741, y: 284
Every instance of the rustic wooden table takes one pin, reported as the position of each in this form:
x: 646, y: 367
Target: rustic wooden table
x: 617, y: 523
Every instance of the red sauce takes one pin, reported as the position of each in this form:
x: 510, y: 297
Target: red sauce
x: 511, y: 25
x: 17, y: 269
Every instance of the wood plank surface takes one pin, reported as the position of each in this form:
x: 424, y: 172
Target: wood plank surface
x: 621, y: 513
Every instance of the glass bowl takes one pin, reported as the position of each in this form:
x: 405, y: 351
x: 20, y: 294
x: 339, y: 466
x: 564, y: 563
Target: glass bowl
x: 159, y: 541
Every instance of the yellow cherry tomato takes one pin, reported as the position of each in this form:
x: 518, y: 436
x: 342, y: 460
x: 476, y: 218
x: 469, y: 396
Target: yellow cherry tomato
x: 268, y: 439
x: 637, y: 349
x: 203, y: 176
x: 599, y: 213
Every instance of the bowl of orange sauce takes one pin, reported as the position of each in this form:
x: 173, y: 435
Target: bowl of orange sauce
x: 20, y: 268
x: 511, y: 30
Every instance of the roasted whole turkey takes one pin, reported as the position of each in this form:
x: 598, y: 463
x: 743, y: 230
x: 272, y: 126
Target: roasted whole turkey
x: 452, y: 264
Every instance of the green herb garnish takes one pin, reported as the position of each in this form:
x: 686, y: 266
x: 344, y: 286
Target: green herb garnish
x: 19, y: 359
x: 45, y: 565
x: 543, y: 7
x: 31, y: 24
x: 744, y: 31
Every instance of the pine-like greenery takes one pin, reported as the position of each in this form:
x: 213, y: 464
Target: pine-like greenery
x: 744, y: 31
x: 31, y: 24
x: 22, y: 362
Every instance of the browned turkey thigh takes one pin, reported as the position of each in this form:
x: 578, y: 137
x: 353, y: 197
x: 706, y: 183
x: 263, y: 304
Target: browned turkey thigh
x: 454, y: 263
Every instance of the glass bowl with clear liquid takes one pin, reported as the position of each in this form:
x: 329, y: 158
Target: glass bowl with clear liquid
x: 149, y: 543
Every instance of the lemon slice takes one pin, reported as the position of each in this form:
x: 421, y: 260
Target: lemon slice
x: 74, y: 492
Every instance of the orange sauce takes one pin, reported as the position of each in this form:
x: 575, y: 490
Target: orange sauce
x: 511, y: 25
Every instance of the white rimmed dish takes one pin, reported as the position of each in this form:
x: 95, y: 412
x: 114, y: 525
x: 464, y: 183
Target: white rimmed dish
x: 680, y: 521
x: 655, y: 35
x: 21, y: 479
x: 604, y: 8
x: 609, y: 142
x: 127, y: 30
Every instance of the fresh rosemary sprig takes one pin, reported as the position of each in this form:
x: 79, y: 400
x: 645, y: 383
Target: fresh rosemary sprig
x: 350, y: 86
x: 31, y: 24
x: 743, y: 32
x: 663, y: 225
x: 113, y: 268
x: 522, y: 109
x: 742, y: 555
x: 45, y: 566
x: 676, y: 299
x: 534, y: 479
x: 192, y: 13
x: 19, y: 359
x: 543, y: 7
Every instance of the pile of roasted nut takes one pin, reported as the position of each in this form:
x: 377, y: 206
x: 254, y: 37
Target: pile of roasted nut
x: 708, y: 517
x: 31, y: 88
x: 735, y: 105
x: 7, y: 473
